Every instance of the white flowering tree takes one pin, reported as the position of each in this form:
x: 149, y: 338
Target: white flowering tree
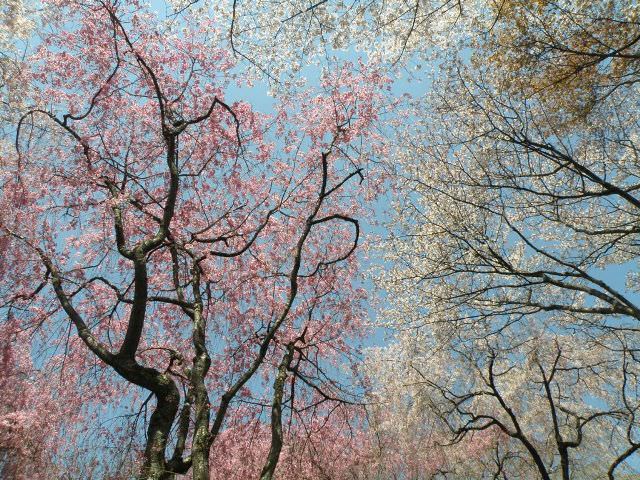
x: 279, y: 38
x: 16, y: 25
x: 511, y: 269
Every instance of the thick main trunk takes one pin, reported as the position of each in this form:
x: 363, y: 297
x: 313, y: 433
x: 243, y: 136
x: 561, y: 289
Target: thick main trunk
x: 276, y: 416
x: 162, y: 418
x: 201, y: 436
x: 167, y: 396
x: 201, y: 363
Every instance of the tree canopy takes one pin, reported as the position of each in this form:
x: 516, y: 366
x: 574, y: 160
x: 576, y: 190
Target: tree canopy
x: 319, y: 240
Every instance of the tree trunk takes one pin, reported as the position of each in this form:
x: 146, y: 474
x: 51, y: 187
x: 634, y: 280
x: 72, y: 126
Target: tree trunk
x: 276, y: 416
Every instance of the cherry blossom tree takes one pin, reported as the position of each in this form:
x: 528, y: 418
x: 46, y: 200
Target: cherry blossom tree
x: 23, y: 443
x: 177, y: 250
